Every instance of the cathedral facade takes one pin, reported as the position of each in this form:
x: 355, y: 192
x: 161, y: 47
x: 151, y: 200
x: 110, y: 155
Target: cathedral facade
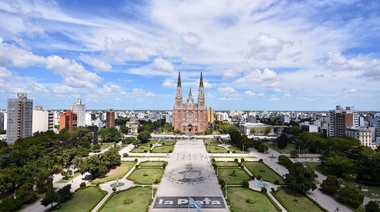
x: 190, y: 117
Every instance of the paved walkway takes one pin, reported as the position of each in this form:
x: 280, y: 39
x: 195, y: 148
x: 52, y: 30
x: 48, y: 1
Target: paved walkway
x: 189, y: 173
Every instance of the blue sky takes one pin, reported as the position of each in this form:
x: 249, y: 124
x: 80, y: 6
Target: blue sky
x: 254, y: 55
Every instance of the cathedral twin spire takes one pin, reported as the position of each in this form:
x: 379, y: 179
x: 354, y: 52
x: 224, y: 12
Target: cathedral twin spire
x: 179, y: 98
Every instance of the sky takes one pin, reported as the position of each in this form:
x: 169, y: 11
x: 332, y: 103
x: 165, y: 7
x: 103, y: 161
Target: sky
x: 254, y: 55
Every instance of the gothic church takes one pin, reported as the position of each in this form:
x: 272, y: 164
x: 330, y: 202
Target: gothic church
x: 190, y: 117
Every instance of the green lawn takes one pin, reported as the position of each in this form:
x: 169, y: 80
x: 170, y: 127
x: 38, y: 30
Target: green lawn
x: 70, y: 178
x: 244, y: 199
x: 157, y: 164
x: 106, y: 145
x: 144, y: 175
x: 140, y: 149
x: 168, y: 142
x: 237, y: 179
x: 296, y: 201
x: 216, y: 149
x: 236, y: 150
x: 119, y: 172
x: 163, y: 149
x: 211, y: 142
x: 232, y: 156
x: 317, y: 167
x: 267, y: 174
x: 134, y: 199
x: 227, y: 164
x: 83, y: 200
x: 287, y: 150
x: 212, y: 146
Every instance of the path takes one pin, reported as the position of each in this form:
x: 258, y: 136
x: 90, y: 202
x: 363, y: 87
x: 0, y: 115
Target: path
x: 189, y: 174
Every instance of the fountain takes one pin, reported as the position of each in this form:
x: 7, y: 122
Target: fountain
x: 260, y: 184
x: 117, y: 184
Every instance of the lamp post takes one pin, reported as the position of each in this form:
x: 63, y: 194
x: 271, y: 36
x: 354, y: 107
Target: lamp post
x: 217, y: 170
x: 152, y: 179
x: 226, y: 180
x: 299, y: 150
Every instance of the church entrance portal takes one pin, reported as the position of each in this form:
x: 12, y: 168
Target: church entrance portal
x: 190, y: 128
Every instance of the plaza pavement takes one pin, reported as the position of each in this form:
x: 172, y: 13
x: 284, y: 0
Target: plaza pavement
x: 189, y: 155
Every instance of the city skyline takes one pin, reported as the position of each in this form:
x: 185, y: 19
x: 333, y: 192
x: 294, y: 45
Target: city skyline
x: 254, y: 55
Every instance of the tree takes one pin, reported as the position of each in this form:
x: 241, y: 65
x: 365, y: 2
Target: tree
x: 300, y: 178
x: 372, y: 206
x: 129, y: 140
x: 351, y: 196
x: 10, y: 204
x: 64, y: 194
x: 144, y: 136
x: 6, y: 184
x: 50, y: 198
x: 330, y: 185
x: 293, y: 154
x: 26, y: 193
x: 338, y: 165
x: 44, y: 181
x: 285, y: 161
x: 124, y: 129
x: 282, y: 141
x: 109, y: 134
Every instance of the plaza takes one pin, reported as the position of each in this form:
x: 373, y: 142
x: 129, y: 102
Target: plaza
x: 189, y: 174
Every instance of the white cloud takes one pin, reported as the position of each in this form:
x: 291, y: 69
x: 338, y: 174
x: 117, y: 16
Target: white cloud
x: 123, y: 50
x: 190, y: 40
x: 265, y: 47
x: 231, y: 98
x: 287, y: 95
x: 4, y: 72
x: 96, y: 63
x: 226, y: 90
x: 30, y: 20
x: 138, y: 92
x: 250, y: 93
x: 78, y: 83
x: 169, y: 83
x: 367, y: 66
x: 62, y: 90
x: 71, y: 70
x: 267, y: 76
x: 12, y: 55
x: 351, y: 91
x: 163, y: 64
x: 274, y: 98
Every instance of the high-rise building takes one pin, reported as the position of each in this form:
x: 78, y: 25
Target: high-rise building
x: 20, y: 118
x: 190, y: 117
x: 68, y: 120
x: 341, y: 119
x: 79, y: 109
x: 210, y: 115
x: 2, y: 121
x: 43, y: 120
x: 362, y: 134
x: 110, y: 119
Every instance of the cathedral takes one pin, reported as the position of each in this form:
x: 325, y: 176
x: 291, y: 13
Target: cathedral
x: 190, y: 117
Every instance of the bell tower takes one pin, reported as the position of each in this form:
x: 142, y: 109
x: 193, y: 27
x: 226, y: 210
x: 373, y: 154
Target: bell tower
x: 178, y: 96
x: 201, y: 94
